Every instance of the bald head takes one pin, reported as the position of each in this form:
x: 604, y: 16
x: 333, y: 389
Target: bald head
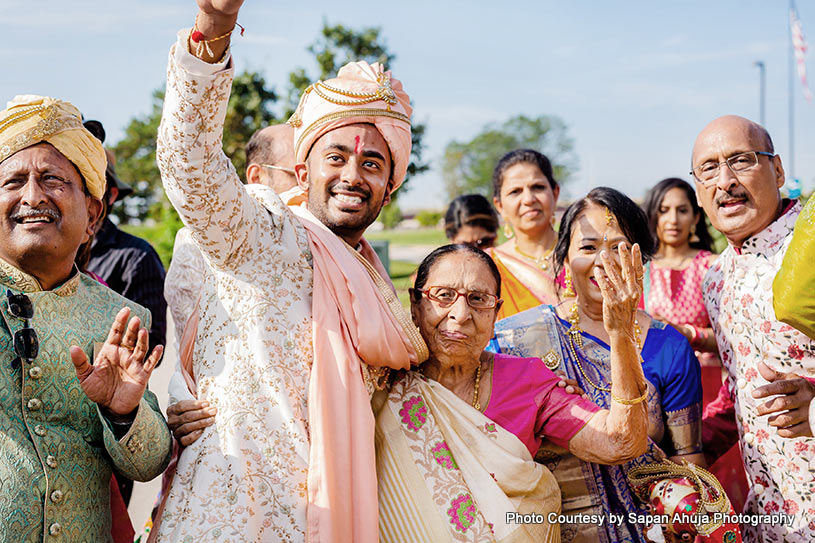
x: 271, y: 146
x: 739, y: 204
x: 729, y: 124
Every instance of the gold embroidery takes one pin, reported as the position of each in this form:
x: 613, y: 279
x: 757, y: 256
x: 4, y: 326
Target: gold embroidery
x: 19, y: 280
x: 358, y: 112
x: 384, y: 92
x: 684, y: 429
x: 51, y: 123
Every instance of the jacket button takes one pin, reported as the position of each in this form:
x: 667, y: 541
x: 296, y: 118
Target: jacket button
x: 55, y: 529
x: 39, y: 430
x: 34, y: 404
x: 51, y: 461
x: 56, y: 496
x: 35, y: 372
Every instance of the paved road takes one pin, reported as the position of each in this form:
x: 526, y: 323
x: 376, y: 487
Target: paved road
x: 144, y: 494
x: 410, y: 253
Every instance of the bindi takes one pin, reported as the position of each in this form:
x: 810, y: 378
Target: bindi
x: 358, y: 145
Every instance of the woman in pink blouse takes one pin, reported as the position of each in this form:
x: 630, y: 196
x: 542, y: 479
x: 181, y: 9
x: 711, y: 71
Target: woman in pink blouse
x: 672, y: 285
x: 672, y: 288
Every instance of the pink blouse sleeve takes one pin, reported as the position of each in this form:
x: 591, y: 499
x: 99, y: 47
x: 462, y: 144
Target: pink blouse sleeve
x: 560, y: 414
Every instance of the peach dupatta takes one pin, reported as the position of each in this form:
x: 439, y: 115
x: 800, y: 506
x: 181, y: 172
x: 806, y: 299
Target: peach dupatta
x: 355, y: 321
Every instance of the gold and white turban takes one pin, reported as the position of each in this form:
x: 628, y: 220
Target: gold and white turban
x: 361, y: 93
x: 29, y: 119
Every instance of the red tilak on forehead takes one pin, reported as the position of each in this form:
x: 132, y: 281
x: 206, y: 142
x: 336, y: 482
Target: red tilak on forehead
x: 358, y: 146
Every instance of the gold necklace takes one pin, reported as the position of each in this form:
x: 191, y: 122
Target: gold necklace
x: 476, y: 403
x: 575, y: 337
x: 543, y: 260
x: 678, y: 266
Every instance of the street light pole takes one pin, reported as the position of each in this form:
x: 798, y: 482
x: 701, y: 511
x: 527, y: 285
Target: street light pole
x: 762, y: 88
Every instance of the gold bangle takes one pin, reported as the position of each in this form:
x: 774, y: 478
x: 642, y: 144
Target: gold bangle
x: 635, y: 401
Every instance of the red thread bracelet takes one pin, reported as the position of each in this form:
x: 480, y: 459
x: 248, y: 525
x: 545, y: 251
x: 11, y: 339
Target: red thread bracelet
x: 197, y: 36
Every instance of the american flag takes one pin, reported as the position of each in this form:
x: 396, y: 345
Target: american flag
x: 799, y: 45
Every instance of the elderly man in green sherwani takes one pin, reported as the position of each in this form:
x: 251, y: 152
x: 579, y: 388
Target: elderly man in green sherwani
x: 64, y: 423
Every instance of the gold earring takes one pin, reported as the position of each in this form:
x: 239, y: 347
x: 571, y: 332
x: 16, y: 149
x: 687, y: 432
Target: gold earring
x: 508, y: 232
x: 693, y: 237
x: 569, y: 292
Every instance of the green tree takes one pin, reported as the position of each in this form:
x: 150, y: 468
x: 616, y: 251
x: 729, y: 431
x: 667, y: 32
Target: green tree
x: 338, y: 45
x: 250, y: 108
x: 253, y: 104
x: 390, y: 216
x: 136, y: 163
x: 467, y: 166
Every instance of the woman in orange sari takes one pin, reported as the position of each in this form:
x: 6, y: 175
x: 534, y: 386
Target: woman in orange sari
x: 525, y: 194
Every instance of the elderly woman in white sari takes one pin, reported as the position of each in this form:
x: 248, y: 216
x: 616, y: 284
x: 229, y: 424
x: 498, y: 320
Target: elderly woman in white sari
x: 447, y: 471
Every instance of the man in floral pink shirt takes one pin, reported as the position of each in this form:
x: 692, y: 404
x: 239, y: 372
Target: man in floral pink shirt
x: 738, y: 177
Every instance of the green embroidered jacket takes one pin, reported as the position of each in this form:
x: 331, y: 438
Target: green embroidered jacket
x: 57, y: 450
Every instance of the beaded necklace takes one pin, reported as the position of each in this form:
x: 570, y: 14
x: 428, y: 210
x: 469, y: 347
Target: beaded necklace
x: 476, y: 403
x: 542, y: 261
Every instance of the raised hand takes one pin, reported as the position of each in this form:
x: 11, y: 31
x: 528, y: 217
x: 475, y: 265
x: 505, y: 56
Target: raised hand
x: 118, y: 377
x: 215, y: 18
x: 621, y: 289
x: 224, y: 7
x: 789, y: 410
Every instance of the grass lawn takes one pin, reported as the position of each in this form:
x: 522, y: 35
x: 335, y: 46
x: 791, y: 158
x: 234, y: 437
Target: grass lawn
x: 400, y: 275
x: 421, y: 236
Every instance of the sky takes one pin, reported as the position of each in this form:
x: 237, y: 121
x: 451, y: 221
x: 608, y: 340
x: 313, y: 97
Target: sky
x: 634, y: 81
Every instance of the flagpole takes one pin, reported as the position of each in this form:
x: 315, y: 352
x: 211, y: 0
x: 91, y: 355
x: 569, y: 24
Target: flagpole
x: 762, y: 84
x: 791, y: 98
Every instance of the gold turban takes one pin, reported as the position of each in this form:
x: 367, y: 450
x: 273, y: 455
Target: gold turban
x: 361, y: 93
x: 29, y: 119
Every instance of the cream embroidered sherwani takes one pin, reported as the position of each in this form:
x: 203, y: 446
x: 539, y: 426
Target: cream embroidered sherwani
x: 244, y: 479
x: 185, y: 278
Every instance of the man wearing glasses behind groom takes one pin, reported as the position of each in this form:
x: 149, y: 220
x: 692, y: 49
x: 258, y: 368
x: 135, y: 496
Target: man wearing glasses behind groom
x: 64, y: 423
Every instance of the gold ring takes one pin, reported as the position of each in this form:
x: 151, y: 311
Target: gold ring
x: 128, y: 348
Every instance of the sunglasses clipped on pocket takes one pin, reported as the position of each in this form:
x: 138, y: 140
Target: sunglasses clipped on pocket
x: 26, y: 342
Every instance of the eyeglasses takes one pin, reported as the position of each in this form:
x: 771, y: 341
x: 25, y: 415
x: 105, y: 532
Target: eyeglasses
x: 26, y: 342
x: 707, y: 172
x: 447, y: 296
x: 281, y: 168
